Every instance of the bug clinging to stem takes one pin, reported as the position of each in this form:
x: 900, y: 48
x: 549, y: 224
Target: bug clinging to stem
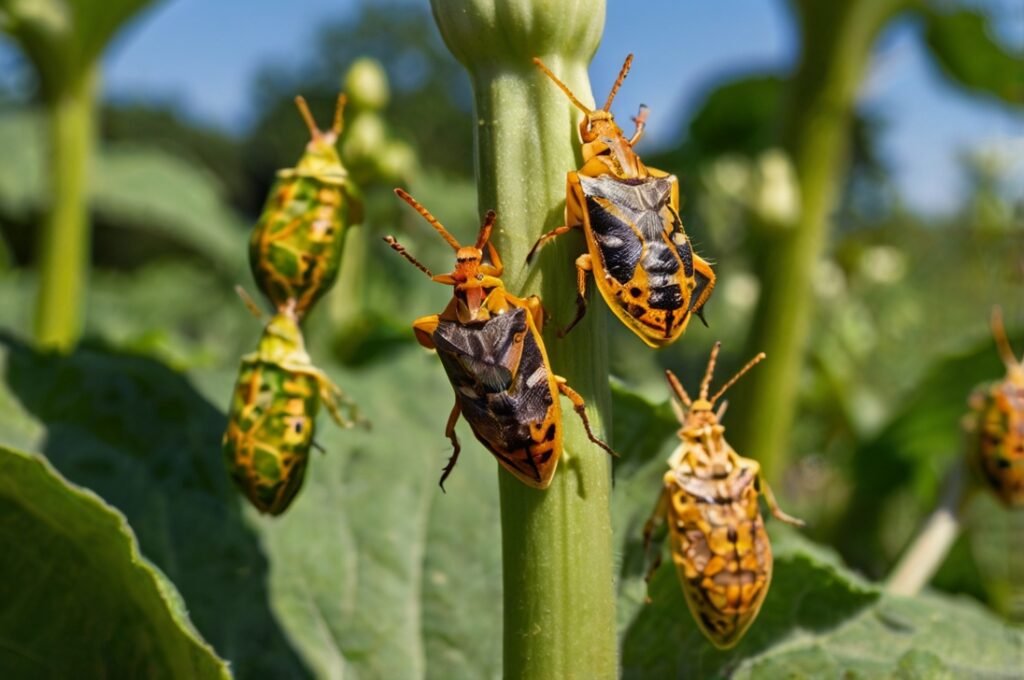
x: 641, y: 258
x: 490, y: 345
x: 709, y: 497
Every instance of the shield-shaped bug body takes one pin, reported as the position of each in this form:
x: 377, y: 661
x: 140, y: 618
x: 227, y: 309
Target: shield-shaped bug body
x: 641, y: 257
x: 997, y: 422
x: 710, y: 500
x: 490, y: 344
x: 295, y: 248
x: 272, y: 417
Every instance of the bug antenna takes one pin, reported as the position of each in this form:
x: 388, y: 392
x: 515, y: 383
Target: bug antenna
x: 706, y: 382
x: 249, y: 303
x: 400, y: 249
x: 562, y: 86
x: 1002, y: 342
x: 618, y: 82
x: 307, y: 116
x: 339, y: 113
x: 677, y: 387
x: 402, y: 194
x: 739, y: 374
x: 485, y: 229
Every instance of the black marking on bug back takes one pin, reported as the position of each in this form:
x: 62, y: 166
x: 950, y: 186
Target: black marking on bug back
x: 641, y: 202
x: 499, y: 411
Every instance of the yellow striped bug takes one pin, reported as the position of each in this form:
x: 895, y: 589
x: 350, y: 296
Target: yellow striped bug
x: 710, y: 498
x: 295, y: 247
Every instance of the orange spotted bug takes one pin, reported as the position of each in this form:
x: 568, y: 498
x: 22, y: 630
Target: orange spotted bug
x: 641, y: 258
x: 489, y: 342
x: 997, y: 423
x: 710, y: 499
x: 295, y: 247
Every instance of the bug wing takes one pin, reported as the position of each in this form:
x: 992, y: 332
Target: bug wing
x: 722, y: 554
x: 503, y: 385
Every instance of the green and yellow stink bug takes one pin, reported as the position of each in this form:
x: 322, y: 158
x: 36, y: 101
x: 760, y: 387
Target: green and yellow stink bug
x: 489, y: 342
x: 295, y: 248
x: 272, y: 417
x: 719, y: 544
x: 997, y: 422
x: 641, y: 258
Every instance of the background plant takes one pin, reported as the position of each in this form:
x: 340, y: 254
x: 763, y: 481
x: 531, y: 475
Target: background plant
x: 898, y: 338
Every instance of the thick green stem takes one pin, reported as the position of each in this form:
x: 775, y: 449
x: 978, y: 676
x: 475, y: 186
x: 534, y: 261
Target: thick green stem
x: 559, y: 606
x: 64, y: 242
x: 837, y: 39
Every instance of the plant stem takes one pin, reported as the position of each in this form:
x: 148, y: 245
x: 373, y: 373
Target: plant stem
x: 928, y: 550
x: 64, y: 243
x: 837, y: 38
x: 559, y: 602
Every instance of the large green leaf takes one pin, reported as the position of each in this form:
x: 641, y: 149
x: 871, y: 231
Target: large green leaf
x: 149, y: 191
x: 962, y: 43
x: 77, y: 594
x: 373, y: 572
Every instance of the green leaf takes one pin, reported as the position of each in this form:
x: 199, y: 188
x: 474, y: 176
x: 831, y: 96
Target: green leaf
x: 962, y: 43
x: 77, y: 594
x: 897, y: 472
x: 372, y: 572
x: 160, y: 197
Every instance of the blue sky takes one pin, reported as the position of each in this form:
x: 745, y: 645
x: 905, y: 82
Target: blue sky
x: 202, y: 55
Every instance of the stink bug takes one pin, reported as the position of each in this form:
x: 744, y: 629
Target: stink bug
x: 489, y: 342
x: 641, y: 258
x: 272, y: 417
x: 719, y: 544
x: 997, y: 421
x: 295, y: 248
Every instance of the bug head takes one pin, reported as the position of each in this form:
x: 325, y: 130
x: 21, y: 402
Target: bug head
x: 281, y: 339
x: 598, y: 129
x: 321, y: 157
x: 1014, y: 367
x: 468, y: 259
x: 700, y: 411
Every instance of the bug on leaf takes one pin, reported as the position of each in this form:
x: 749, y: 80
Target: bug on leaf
x: 489, y: 342
x: 272, y: 417
x: 642, y: 260
x: 710, y: 500
x: 295, y: 248
x: 997, y: 423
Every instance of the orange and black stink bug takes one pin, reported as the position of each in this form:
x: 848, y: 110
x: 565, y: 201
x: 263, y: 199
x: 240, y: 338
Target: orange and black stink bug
x: 997, y: 421
x: 719, y: 544
x: 641, y: 258
x: 489, y: 342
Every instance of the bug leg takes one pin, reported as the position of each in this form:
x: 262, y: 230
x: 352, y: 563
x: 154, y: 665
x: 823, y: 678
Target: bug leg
x: 581, y: 410
x: 537, y: 311
x: 653, y: 522
x: 449, y: 431
x: 332, y: 396
x: 640, y: 119
x: 543, y: 241
x: 777, y: 512
x: 583, y: 267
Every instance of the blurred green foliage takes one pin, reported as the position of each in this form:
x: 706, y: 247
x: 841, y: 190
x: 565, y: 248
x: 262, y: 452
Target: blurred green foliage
x: 375, y: 573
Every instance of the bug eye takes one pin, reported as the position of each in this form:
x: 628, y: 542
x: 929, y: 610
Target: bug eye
x: 298, y: 427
